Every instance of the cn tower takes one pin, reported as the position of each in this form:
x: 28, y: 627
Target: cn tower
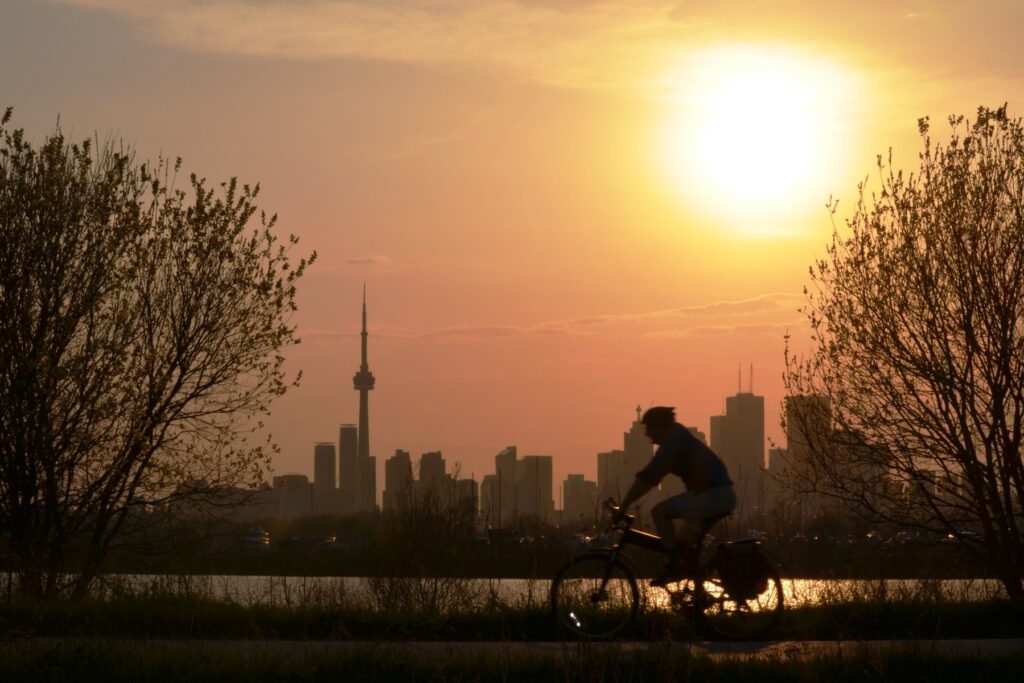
x: 363, y: 382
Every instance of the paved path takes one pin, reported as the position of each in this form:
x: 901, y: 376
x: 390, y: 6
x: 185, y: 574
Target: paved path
x: 803, y: 649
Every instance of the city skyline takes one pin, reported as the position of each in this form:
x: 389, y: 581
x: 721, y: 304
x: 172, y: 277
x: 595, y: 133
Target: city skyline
x: 738, y: 436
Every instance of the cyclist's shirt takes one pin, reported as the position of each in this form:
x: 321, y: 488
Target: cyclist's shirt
x: 683, y: 454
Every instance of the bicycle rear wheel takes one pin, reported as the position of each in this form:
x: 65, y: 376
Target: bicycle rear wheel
x: 594, y: 597
x: 744, y: 618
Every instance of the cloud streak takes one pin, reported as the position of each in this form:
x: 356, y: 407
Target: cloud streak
x: 774, y: 313
x: 369, y: 261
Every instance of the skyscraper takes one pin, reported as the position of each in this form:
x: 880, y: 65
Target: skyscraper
x: 324, y: 479
x: 579, y: 501
x: 616, y: 470
x: 505, y: 492
x: 534, y: 488
x: 397, y: 480
x: 366, y: 466
x: 432, y: 468
x: 294, y: 494
x: 738, y: 439
x: 348, y: 450
x: 808, y: 430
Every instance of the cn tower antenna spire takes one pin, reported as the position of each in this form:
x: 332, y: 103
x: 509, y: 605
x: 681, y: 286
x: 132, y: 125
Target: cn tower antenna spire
x: 363, y: 382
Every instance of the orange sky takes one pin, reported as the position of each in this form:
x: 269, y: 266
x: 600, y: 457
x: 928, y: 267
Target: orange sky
x: 520, y: 184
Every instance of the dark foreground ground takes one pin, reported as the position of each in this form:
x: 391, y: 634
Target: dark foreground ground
x: 112, y: 661
x: 875, y: 635
x: 869, y: 618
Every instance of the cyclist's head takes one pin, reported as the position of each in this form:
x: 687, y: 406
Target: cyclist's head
x: 658, y: 420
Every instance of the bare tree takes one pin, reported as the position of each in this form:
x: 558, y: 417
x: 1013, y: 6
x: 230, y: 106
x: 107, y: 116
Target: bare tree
x: 917, y: 314
x: 141, y: 331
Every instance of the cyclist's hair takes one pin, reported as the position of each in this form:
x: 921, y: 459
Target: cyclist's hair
x: 659, y: 416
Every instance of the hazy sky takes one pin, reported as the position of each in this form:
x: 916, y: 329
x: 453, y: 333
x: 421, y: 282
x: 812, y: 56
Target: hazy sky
x: 561, y: 209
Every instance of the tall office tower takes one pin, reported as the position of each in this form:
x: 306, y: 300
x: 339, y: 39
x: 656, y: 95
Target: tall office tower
x: 534, y: 488
x: 294, y: 495
x: 579, y: 501
x: 635, y: 444
x: 397, y: 480
x: 746, y: 417
x: 432, y: 468
x: 612, y: 481
x: 616, y: 470
x: 808, y: 426
x: 738, y: 439
x: 505, y: 471
x: 348, y: 451
x: 366, y: 467
x: 639, y: 450
x: 324, y: 478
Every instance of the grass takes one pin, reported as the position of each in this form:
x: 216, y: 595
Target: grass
x: 200, y: 618
x: 113, y: 662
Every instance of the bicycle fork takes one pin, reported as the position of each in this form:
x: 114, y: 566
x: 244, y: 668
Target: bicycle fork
x: 601, y: 594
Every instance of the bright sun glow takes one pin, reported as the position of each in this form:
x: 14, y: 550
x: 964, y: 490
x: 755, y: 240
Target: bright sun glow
x: 752, y: 139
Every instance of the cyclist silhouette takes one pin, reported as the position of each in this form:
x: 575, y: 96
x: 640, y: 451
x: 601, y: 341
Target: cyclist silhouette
x: 709, y: 491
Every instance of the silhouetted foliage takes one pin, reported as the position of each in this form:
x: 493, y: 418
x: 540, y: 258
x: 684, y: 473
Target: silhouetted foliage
x: 917, y: 314
x: 141, y: 330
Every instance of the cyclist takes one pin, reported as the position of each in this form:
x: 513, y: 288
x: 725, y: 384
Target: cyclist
x: 709, y: 491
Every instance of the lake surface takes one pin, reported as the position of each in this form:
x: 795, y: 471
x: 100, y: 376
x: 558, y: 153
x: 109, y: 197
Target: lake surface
x: 299, y: 591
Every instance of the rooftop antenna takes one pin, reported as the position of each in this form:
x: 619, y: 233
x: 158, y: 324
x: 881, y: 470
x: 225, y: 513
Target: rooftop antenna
x: 739, y: 378
x: 751, y: 378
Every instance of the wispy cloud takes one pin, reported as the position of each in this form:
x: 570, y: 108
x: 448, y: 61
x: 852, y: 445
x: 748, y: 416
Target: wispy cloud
x: 766, y: 304
x: 578, y: 43
x: 561, y: 41
x: 375, y: 260
x: 773, y: 313
x: 758, y: 330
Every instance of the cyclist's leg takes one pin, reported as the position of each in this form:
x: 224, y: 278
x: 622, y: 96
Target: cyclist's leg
x: 703, y: 506
x: 664, y: 515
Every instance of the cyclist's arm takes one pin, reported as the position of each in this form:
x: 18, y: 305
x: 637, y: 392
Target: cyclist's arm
x: 647, y: 478
x: 637, y: 491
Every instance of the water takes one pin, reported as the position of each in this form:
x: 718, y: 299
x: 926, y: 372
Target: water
x: 299, y: 591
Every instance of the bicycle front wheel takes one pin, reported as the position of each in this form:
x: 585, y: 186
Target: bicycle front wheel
x: 594, y: 597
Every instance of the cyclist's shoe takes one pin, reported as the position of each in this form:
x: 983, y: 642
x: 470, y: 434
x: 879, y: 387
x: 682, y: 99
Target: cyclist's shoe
x: 674, y: 571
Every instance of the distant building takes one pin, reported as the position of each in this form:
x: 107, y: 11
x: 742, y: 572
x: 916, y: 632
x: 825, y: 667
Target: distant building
x: 534, y: 488
x: 466, y: 493
x: 616, y: 470
x: 613, y: 478
x: 348, y: 451
x: 580, y: 504
x: 738, y: 438
x: 325, y: 499
x: 432, y: 468
x: 808, y: 429
x: 489, y: 500
x: 505, y: 503
x: 397, y: 480
x: 295, y: 495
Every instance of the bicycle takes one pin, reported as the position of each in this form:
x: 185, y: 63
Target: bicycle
x: 596, y: 595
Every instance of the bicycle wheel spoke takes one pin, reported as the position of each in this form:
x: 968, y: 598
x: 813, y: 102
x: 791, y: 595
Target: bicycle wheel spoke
x: 592, y: 598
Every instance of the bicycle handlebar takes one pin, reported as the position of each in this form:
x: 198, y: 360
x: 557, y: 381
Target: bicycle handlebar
x: 625, y: 520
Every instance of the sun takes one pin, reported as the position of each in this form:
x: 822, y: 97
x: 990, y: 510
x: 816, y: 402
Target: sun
x: 751, y: 134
